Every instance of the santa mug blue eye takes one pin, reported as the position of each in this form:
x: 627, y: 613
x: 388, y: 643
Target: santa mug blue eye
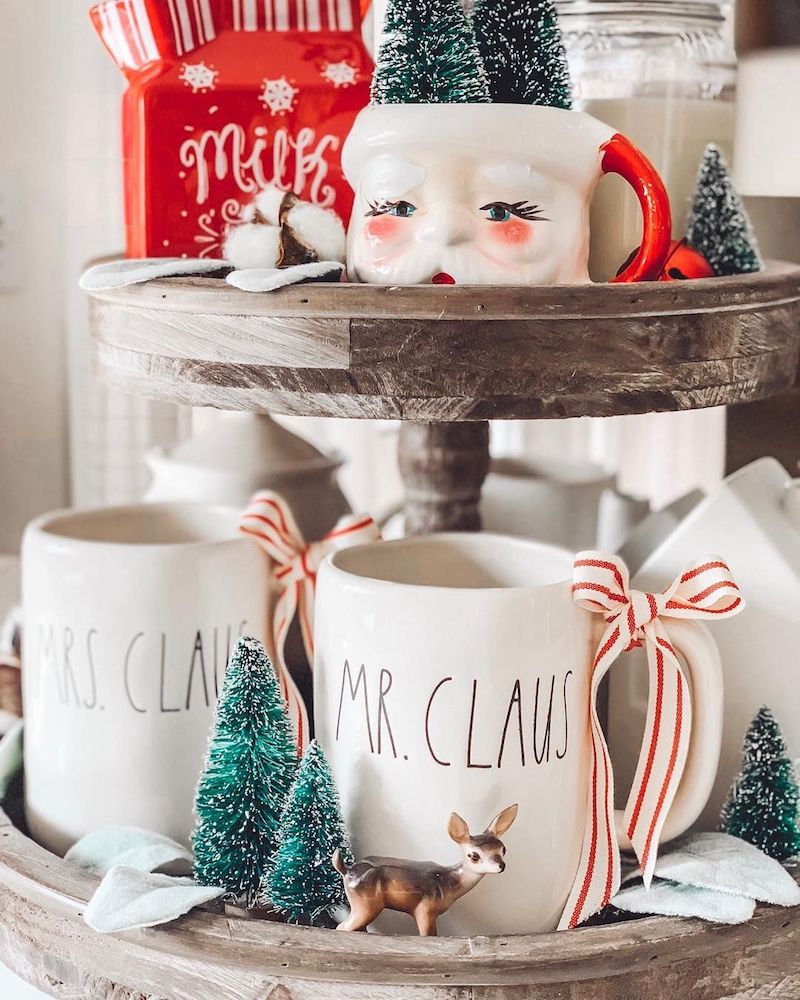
x: 399, y: 209
x: 402, y: 209
x: 497, y: 212
x: 501, y: 211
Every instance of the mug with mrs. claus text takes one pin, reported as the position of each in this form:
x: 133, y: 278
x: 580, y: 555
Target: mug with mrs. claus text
x: 452, y: 674
x: 130, y: 616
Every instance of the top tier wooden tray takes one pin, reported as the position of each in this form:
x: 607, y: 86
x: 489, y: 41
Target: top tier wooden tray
x: 437, y: 353
x: 210, y: 956
x: 447, y: 359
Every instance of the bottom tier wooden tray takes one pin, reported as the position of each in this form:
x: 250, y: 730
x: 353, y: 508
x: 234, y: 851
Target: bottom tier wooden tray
x: 210, y: 956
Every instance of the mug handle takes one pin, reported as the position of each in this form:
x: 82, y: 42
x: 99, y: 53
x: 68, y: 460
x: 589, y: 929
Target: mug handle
x: 701, y: 655
x: 620, y: 156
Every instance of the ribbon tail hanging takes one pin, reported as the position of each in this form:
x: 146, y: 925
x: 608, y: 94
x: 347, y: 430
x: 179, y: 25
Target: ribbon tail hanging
x: 598, y: 871
x: 285, y: 609
x: 664, y: 750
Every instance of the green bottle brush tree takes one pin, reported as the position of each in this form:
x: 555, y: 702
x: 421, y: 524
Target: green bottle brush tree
x: 429, y: 55
x: 302, y: 882
x: 520, y: 43
x: 718, y: 225
x: 762, y: 806
x: 251, y: 761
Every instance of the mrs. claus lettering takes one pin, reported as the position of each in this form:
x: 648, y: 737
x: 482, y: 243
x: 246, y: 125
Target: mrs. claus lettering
x: 141, y: 672
x: 464, y: 722
x: 294, y: 162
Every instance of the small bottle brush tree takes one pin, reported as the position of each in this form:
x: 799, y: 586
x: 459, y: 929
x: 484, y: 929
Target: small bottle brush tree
x: 428, y: 56
x: 302, y: 882
x: 251, y: 761
x: 762, y: 806
x: 718, y: 225
x: 520, y: 42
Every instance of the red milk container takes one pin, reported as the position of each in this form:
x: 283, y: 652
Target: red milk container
x: 224, y: 97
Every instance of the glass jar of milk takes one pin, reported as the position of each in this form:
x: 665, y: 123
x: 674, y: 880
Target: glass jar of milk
x: 663, y: 73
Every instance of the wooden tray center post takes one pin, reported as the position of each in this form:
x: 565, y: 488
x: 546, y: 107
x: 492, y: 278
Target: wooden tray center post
x: 443, y: 466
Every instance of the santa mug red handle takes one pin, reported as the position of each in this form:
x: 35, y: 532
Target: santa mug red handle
x: 620, y: 156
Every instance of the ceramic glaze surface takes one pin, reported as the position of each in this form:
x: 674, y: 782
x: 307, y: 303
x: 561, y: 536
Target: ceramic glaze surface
x: 472, y: 194
x: 242, y: 453
x: 753, y: 522
x: 130, y: 614
x: 453, y: 674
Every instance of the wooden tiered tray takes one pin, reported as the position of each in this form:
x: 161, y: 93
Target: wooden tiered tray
x: 445, y: 360
x: 450, y: 358
x: 210, y: 956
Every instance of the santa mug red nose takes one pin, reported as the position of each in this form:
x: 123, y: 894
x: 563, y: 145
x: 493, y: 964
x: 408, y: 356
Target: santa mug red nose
x: 483, y: 194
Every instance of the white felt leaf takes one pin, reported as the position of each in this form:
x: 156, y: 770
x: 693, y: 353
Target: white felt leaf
x: 133, y: 271
x: 10, y: 756
x: 101, y: 849
x: 671, y: 900
x: 728, y: 864
x: 268, y: 279
x: 128, y: 898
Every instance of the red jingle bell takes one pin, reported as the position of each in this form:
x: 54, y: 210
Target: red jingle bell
x: 685, y: 262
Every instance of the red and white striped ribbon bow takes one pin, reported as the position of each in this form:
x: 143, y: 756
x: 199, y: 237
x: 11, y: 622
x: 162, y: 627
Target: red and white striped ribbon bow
x: 269, y: 520
x: 600, y: 583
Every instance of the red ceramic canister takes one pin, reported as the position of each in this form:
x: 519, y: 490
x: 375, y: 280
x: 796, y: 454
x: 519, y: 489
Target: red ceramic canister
x: 225, y: 96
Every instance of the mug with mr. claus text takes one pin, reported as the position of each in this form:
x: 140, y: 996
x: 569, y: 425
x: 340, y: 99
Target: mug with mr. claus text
x: 453, y: 674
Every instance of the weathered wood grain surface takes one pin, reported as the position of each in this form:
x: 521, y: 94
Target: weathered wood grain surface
x: 443, y: 466
x: 452, y: 353
x: 210, y: 956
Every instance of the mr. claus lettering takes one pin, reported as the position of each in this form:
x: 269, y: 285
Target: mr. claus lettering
x: 465, y: 721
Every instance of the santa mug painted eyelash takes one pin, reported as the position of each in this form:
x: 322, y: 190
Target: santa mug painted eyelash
x: 483, y: 194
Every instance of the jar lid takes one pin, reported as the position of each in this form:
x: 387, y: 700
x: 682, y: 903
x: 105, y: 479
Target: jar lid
x: 706, y: 10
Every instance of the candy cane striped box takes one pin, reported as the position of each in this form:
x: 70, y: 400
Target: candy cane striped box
x: 225, y: 96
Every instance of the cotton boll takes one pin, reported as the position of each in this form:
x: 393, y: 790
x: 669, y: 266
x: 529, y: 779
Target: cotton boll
x: 252, y: 245
x: 318, y: 228
x: 268, y: 203
x: 248, y: 213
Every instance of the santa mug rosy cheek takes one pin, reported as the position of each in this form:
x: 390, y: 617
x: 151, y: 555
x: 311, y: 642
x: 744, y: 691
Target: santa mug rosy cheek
x: 489, y: 194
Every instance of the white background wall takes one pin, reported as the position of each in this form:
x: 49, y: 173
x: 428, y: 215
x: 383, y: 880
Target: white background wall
x: 33, y: 432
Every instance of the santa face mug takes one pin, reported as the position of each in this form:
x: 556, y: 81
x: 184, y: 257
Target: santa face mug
x: 457, y: 673
x: 488, y: 194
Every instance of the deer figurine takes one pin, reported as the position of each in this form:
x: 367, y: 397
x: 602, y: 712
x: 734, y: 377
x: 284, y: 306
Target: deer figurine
x: 423, y: 889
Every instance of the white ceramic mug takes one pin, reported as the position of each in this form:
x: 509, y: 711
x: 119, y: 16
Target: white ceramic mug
x: 130, y: 614
x: 452, y: 674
